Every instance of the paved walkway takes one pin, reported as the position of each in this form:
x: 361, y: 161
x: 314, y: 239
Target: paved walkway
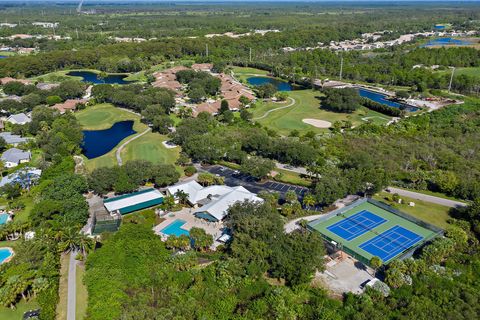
x: 293, y: 224
x: 427, y: 198
x: 279, y: 108
x: 119, y: 150
x: 72, y: 286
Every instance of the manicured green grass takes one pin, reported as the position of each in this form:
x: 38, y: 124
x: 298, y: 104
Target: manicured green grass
x: 81, y: 294
x: 291, y: 178
x: 103, y: 116
x: 307, y: 106
x: 147, y: 147
x: 20, y: 309
x: 429, y: 212
x: 242, y: 71
x: 63, y: 288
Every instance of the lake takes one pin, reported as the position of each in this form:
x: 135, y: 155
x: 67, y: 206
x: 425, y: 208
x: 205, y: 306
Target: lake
x: 382, y: 98
x: 279, y: 84
x: 446, y: 42
x: 92, y: 77
x: 3, y: 57
x: 96, y: 143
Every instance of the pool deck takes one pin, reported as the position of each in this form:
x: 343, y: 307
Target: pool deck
x: 186, y: 214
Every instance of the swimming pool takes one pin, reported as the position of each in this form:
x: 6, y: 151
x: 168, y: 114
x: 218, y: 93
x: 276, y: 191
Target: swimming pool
x: 175, y: 228
x: 5, y: 254
x: 3, y: 218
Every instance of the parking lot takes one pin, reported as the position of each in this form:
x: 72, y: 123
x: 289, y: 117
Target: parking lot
x: 235, y: 178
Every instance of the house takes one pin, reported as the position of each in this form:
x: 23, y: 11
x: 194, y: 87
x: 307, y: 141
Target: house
x: 13, y: 157
x: 68, y: 105
x: 20, y: 118
x: 25, y: 177
x: 12, y: 139
x: 211, y: 203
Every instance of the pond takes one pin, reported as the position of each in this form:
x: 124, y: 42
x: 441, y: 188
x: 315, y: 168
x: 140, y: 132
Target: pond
x: 279, y: 84
x: 3, y: 57
x: 96, y: 143
x: 446, y: 42
x: 92, y: 77
x: 382, y: 98
x: 5, y: 254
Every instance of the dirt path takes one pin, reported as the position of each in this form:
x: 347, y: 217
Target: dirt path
x: 119, y: 150
x: 279, y: 108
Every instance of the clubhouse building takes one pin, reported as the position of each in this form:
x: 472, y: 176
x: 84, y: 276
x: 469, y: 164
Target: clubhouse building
x: 211, y: 203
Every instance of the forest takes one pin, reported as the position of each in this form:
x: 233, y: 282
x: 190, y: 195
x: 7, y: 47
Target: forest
x: 263, y: 272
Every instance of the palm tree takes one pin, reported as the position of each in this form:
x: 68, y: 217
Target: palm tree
x: 309, y: 200
x: 182, y: 196
x: 38, y: 285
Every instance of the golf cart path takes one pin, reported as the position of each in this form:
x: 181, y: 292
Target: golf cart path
x: 119, y: 150
x: 279, y: 108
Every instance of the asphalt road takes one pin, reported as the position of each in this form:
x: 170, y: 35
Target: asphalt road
x: 427, y: 198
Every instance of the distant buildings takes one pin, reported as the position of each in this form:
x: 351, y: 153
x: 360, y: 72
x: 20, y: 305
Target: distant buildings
x: 230, y: 90
x: 8, y: 25
x: 45, y: 24
x: 13, y: 157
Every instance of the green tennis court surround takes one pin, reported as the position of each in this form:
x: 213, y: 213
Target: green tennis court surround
x: 368, y: 228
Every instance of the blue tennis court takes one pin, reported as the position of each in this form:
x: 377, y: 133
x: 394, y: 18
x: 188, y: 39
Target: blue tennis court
x: 356, y: 225
x: 390, y: 243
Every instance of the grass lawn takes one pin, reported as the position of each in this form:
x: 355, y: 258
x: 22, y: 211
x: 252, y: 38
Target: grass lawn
x: 291, y: 178
x: 241, y: 72
x: 430, y: 212
x: 307, y: 105
x: 81, y: 294
x: 63, y: 287
x: 17, y: 313
x: 147, y: 147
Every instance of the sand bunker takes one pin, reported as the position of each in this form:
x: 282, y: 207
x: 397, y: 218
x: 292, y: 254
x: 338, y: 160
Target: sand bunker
x: 318, y: 123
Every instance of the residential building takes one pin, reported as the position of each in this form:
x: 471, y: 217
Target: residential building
x: 13, y: 157
x: 20, y: 118
x: 12, y: 139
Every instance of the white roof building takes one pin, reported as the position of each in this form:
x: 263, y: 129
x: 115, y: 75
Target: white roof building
x: 20, y: 118
x: 134, y: 201
x: 213, y: 201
